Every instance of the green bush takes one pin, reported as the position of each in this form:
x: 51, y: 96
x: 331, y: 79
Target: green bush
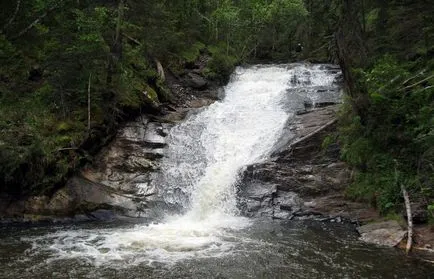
x: 221, y: 65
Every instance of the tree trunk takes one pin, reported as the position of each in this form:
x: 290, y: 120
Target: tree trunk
x: 88, y: 102
x: 116, y: 48
x: 160, y: 70
x: 409, y: 219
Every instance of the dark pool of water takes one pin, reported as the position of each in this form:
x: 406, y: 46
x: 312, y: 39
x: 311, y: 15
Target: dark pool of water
x: 271, y: 249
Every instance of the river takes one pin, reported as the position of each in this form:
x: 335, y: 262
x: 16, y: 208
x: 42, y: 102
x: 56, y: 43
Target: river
x: 195, y: 228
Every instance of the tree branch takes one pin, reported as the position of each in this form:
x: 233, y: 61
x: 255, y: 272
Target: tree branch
x: 132, y: 39
x: 36, y: 21
x: 418, y: 83
x: 14, y: 15
x: 202, y: 16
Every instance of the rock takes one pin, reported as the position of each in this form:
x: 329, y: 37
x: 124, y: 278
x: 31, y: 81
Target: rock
x: 316, y: 178
x: 288, y: 201
x: 282, y: 214
x: 419, y: 213
x: 256, y: 199
x: 103, y: 215
x: 153, y: 153
x: 257, y: 191
x: 153, y: 136
x: 137, y: 164
x: 81, y: 195
x: 117, y: 183
x: 195, y: 81
x: 134, y: 132
x: 388, y: 233
x: 198, y: 103
x: 265, y: 200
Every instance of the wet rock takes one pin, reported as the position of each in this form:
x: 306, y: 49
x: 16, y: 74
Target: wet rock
x: 308, y: 179
x: 81, y: 195
x: 260, y: 199
x: 153, y: 154
x: 255, y: 199
x: 153, y: 135
x: 103, y: 215
x: 134, y: 132
x: 117, y: 181
x: 137, y: 164
x: 288, y: 201
x: 195, y: 81
x: 387, y: 233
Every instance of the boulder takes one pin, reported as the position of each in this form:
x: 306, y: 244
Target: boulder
x: 265, y: 200
x: 388, y: 233
x: 195, y: 81
x: 155, y: 135
x: 83, y: 196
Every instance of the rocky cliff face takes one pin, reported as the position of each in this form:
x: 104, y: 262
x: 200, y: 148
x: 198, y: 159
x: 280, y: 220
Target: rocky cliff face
x: 301, y: 180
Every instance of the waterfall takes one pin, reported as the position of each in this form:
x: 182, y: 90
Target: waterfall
x: 207, y: 151
x: 201, y: 167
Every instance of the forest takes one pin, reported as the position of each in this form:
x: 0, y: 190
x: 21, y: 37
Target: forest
x: 72, y: 71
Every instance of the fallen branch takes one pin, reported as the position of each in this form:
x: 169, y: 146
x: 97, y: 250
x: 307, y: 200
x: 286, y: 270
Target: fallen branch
x: 311, y: 134
x: 408, y: 210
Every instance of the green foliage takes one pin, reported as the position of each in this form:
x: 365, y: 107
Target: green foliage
x: 396, y: 138
x: 328, y: 140
x: 386, y: 126
x: 221, y: 65
x: 192, y: 54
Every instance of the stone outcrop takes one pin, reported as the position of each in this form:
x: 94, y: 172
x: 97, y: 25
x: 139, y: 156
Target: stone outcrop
x: 303, y: 180
x: 115, y: 184
x: 387, y: 233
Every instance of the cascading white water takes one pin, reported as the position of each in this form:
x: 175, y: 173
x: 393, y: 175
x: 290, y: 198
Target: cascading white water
x: 207, y: 151
x: 200, y: 171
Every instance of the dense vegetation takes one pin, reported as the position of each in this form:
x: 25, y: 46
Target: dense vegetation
x: 65, y: 62
x: 71, y: 70
x: 388, y: 134
x: 385, y: 49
